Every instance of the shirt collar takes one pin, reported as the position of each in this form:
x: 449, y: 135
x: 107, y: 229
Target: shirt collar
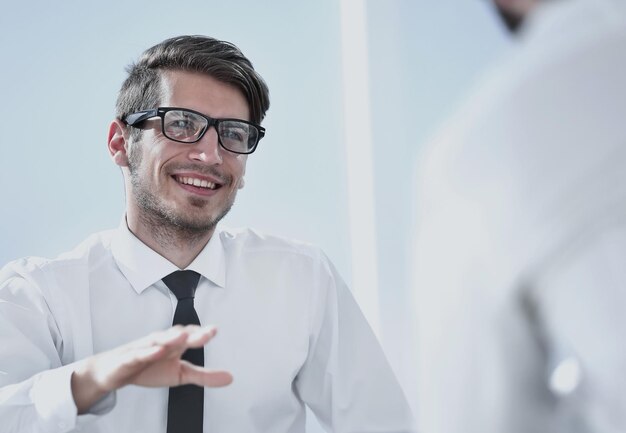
x: 142, y: 266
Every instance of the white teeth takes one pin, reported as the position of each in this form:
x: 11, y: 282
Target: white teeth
x: 195, y: 182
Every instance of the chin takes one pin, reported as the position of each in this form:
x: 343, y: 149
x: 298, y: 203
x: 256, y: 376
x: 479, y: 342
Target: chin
x: 200, y: 221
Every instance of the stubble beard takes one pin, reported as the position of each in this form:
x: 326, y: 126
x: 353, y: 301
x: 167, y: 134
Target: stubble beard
x: 169, y: 225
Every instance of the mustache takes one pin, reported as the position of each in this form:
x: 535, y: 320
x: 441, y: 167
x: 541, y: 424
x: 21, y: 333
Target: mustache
x: 207, y: 170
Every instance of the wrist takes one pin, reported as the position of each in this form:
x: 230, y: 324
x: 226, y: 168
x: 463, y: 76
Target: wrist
x: 86, y: 390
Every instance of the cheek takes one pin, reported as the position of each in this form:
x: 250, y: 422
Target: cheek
x: 242, y: 172
x: 242, y: 160
x: 142, y: 158
x: 237, y: 169
x: 159, y: 161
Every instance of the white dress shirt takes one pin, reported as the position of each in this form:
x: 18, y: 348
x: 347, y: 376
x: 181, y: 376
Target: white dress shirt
x: 521, y: 247
x: 289, y: 332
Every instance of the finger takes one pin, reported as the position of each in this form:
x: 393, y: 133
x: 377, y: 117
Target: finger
x: 200, y: 336
x: 172, y: 336
x: 194, y: 374
x: 171, y: 343
x: 149, y: 354
x: 130, y: 361
x: 182, y: 335
x: 195, y: 337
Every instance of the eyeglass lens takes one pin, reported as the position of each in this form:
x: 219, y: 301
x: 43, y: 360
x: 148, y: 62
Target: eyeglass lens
x: 186, y: 126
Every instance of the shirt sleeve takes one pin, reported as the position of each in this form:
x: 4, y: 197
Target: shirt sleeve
x: 346, y: 379
x: 580, y: 307
x: 35, y: 388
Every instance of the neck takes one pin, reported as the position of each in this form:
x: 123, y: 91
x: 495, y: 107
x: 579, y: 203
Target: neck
x: 179, y: 245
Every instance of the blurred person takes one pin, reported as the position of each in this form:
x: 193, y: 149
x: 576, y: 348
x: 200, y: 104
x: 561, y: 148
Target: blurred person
x: 521, y: 235
x: 111, y: 336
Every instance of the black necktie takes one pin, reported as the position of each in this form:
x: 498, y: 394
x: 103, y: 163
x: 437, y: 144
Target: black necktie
x: 186, y: 402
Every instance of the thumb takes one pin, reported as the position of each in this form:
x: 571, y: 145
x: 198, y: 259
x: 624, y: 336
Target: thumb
x: 197, y: 375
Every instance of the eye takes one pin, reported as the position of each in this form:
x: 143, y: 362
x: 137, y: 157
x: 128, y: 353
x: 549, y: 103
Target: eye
x: 234, y: 134
x: 182, y: 125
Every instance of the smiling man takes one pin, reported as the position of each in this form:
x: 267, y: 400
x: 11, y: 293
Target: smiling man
x: 112, y: 336
x: 184, y: 189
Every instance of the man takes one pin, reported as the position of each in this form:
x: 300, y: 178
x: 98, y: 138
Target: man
x: 87, y: 338
x: 519, y: 273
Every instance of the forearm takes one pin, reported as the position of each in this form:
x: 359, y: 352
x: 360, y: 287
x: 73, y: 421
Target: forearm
x: 42, y: 403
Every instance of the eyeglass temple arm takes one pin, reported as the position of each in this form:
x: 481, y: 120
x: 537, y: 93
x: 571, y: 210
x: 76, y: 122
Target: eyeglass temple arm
x: 140, y: 116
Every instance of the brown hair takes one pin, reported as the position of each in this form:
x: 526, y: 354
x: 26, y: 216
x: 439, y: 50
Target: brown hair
x: 219, y: 59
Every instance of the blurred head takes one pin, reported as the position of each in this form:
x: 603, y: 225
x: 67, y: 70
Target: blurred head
x: 513, y: 12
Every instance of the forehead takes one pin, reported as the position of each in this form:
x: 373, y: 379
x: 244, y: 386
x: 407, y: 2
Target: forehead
x: 203, y: 93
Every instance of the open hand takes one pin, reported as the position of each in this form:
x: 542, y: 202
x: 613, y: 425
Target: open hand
x: 153, y: 361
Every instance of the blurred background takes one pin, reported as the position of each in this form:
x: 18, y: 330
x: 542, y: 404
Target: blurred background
x: 356, y: 88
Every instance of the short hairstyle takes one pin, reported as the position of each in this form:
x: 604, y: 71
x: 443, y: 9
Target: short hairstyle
x: 219, y: 59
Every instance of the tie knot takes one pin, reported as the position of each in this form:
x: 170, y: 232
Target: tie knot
x: 182, y: 283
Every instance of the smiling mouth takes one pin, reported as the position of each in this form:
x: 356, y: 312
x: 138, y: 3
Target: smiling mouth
x: 194, y: 181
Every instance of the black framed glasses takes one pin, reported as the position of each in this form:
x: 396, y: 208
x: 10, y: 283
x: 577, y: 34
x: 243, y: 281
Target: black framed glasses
x: 189, y: 126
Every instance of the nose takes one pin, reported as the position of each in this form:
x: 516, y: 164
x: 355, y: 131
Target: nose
x: 207, y: 149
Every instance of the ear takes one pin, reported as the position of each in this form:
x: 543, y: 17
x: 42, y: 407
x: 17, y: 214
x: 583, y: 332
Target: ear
x: 118, y: 144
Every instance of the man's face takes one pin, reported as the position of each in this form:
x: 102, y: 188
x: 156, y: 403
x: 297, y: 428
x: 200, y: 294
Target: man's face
x: 189, y: 187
